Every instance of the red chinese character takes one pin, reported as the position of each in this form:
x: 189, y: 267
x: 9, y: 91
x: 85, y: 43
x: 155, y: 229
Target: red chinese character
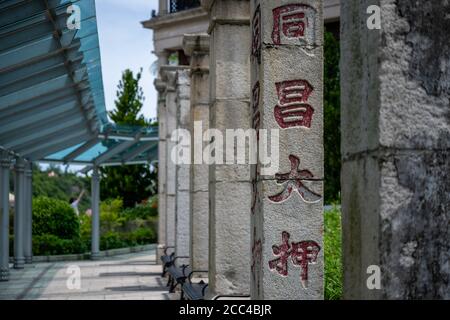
x: 283, y: 252
x: 293, y: 181
x: 292, y: 109
x: 256, y: 259
x: 256, y: 252
x: 254, y: 195
x: 304, y: 253
x: 301, y: 253
x: 256, y: 35
x: 290, y: 21
x: 256, y: 115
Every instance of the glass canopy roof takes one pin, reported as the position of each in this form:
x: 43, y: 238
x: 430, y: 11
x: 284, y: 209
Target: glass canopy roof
x: 112, y: 148
x: 52, y: 105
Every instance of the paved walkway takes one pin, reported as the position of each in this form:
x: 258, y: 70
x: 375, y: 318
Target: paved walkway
x: 127, y: 277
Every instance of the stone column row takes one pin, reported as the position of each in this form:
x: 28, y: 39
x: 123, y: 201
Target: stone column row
x: 265, y: 229
x: 23, y: 252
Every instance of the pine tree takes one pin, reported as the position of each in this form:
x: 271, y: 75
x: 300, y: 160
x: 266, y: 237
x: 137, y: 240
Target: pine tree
x: 132, y: 182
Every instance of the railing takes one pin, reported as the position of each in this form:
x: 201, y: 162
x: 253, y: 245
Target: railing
x: 181, y: 5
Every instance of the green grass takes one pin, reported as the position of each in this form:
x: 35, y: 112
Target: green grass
x: 333, y: 255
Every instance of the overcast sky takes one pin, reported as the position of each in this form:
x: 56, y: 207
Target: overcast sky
x: 124, y: 43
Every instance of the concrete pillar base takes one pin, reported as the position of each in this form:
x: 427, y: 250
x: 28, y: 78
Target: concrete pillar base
x: 19, y: 263
x: 4, y: 274
x: 95, y: 256
x: 28, y: 260
x: 159, y: 253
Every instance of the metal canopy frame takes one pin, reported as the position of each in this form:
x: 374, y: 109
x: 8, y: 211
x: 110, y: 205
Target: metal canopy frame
x: 111, y: 148
x: 51, y: 90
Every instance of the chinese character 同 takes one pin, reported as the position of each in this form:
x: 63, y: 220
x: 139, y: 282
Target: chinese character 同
x: 293, y: 23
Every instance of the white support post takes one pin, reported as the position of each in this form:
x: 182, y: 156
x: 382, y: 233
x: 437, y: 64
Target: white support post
x: 95, y: 198
x: 5, y: 164
x: 19, y: 217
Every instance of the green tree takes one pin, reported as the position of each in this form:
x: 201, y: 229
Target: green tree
x: 130, y: 100
x: 332, y: 122
x: 130, y: 183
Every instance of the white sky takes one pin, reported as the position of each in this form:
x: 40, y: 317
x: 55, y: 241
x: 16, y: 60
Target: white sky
x: 124, y: 43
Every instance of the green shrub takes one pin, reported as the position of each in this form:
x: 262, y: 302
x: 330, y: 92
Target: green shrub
x: 85, y: 226
x: 55, y: 217
x: 110, y: 215
x: 143, y: 236
x: 111, y: 240
x: 48, y: 244
x: 333, y: 255
x: 142, y: 211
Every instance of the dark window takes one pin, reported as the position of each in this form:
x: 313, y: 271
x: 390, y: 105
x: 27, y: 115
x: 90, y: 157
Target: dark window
x: 180, y: 5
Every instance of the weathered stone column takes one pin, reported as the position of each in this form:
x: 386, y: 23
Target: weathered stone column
x: 287, y: 95
x: 168, y: 77
x: 197, y: 47
x: 163, y: 7
x: 183, y: 177
x: 5, y: 164
x: 95, y: 199
x: 395, y: 90
x: 230, y: 186
x: 162, y: 167
x: 19, y: 213
x: 28, y: 244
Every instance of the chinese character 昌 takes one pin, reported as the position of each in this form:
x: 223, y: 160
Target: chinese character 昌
x: 292, y: 109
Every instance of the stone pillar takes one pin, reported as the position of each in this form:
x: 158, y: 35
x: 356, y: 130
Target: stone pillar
x: 395, y: 93
x: 28, y: 245
x: 163, y: 60
x: 230, y: 186
x: 287, y: 200
x: 95, y: 218
x: 163, y: 7
x: 197, y: 47
x: 183, y: 177
x: 5, y: 164
x: 171, y: 125
x: 19, y: 216
x: 162, y: 167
